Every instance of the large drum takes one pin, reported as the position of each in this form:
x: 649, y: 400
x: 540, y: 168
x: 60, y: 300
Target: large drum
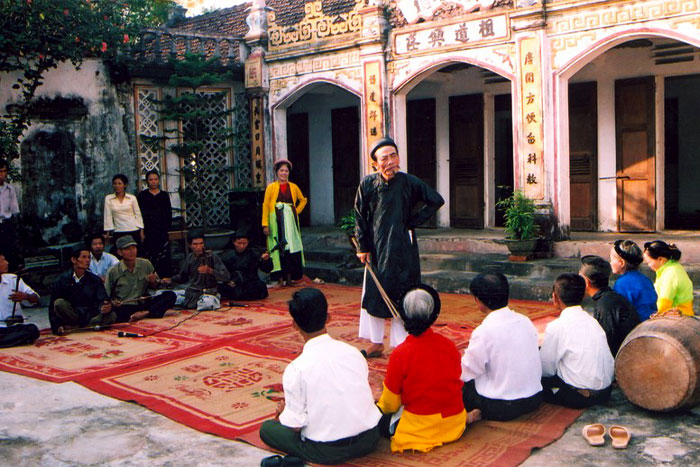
x: 658, y: 365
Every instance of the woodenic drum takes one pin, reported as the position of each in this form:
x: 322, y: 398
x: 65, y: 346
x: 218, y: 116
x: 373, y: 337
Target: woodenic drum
x: 658, y: 364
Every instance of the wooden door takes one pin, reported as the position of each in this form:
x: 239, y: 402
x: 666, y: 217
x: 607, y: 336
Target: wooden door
x: 298, y: 154
x: 467, y: 161
x: 345, y: 124
x: 634, y: 126
x: 421, y: 151
x: 583, y: 155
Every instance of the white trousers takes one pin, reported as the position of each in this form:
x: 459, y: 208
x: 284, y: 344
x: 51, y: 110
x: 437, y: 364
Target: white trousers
x: 372, y: 328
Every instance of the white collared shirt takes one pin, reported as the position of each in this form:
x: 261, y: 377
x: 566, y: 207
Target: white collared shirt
x: 122, y: 216
x: 8, y: 282
x: 575, y: 349
x: 100, y: 268
x: 327, y: 392
x: 503, y: 358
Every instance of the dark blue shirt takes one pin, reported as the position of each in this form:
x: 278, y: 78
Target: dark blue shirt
x: 639, y: 290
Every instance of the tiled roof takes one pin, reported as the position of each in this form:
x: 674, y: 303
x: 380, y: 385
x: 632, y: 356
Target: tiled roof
x: 448, y: 10
x: 290, y: 12
x: 227, y: 21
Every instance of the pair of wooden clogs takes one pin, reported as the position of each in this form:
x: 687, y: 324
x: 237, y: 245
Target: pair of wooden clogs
x: 595, y: 435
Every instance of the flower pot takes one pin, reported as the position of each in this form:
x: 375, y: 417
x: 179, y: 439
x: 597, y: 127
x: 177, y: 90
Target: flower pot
x: 520, y: 250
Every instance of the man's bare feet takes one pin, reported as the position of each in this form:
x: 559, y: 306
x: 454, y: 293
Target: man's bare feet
x: 171, y: 313
x: 138, y: 316
x: 473, y: 416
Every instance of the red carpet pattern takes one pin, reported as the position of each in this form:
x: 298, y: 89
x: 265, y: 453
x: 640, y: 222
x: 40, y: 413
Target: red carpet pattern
x: 221, y: 371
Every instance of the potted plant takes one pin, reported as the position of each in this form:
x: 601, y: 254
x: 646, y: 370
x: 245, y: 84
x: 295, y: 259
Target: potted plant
x: 347, y: 224
x: 520, y: 226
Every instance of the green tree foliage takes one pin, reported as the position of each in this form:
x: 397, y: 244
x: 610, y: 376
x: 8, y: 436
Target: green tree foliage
x: 38, y: 35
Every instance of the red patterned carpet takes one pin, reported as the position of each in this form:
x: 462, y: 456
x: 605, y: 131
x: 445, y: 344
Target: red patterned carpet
x: 221, y: 372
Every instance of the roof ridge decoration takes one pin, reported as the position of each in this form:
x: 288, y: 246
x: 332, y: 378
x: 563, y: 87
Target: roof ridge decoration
x: 415, y: 10
x: 315, y: 26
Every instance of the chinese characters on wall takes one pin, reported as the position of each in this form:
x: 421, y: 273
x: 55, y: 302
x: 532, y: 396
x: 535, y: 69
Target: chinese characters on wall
x: 531, y: 159
x: 374, y: 114
x: 257, y: 146
x: 446, y: 36
x: 254, y: 71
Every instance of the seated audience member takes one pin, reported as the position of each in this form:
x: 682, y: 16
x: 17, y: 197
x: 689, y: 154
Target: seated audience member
x: 243, y: 264
x: 201, y: 271
x: 577, y: 366
x: 674, y: 289
x: 128, y: 282
x: 100, y: 260
x: 423, y: 378
x: 615, y: 314
x: 78, y: 297
x: 13, y: 294
x: 625, y: 258
x: 328, y: 415
x: 501, y: 367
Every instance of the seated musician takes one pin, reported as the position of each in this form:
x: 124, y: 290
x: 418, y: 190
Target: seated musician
x: 243, y: 264
x: 128, y: 282
x: 200, y: 271
x: 78, y: 297
x: 13, y: 294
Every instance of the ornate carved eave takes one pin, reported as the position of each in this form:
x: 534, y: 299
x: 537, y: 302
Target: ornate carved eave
x: 316, y: 29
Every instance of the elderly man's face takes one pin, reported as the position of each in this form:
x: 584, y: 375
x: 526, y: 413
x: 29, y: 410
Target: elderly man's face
x: 387, y: 161
x: 129, y: 253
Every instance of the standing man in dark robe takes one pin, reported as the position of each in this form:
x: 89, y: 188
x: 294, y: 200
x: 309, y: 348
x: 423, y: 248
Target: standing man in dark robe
x: 388, y: 207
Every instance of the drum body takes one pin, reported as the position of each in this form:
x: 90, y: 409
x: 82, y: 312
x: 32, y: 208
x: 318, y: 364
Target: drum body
x: 658, y: 365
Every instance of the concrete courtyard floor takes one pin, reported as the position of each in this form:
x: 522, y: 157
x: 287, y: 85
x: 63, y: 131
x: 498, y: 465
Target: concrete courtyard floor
x: 65, y: 424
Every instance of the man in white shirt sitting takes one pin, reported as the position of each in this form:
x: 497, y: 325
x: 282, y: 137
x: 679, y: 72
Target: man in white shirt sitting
x: 501, y: 367
x: 577, y: 366
x: 100, y: 260
x: 13, y: 294
x: 328, y: 415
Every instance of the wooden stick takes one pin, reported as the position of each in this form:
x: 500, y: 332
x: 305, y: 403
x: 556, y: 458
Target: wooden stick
x: 389, y: 303
x: 134, y: 300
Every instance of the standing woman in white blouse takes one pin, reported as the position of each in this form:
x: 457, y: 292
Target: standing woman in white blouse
x: 122, y: 213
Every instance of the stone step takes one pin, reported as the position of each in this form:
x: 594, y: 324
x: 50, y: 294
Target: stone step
x: 488, y: 241
x: 522, y: 288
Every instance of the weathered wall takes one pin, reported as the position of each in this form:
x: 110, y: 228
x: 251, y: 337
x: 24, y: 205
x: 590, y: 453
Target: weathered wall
x: 78, y: 139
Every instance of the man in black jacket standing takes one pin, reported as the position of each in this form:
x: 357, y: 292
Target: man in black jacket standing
x: 389, y: 205
x: 78, y: 297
